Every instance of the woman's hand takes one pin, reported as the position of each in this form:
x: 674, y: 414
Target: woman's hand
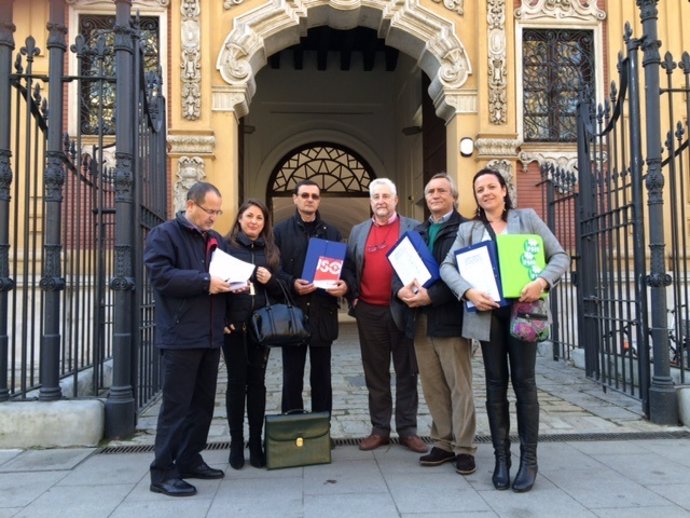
x: 533, y: 290
x: 229, y: 329
x: 482, y: 301
x: 263, y: 275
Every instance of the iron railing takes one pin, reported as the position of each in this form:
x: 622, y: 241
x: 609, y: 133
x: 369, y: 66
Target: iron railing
x: 75, y: 303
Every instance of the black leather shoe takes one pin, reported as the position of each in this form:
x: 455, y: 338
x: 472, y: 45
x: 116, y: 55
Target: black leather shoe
x: 204, y: 471
x: 436, y: 457
x: 173, y: 487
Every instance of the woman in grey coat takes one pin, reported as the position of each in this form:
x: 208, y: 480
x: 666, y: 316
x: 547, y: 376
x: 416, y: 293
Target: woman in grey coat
x: 505, y: 357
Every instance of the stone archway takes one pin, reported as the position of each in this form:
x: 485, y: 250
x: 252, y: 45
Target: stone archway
x: 407, y: 26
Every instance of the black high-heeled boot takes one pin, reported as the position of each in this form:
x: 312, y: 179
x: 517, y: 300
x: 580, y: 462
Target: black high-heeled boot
x: 237, y: 453
x: 234, y: 406
x: 528, y: 430
x: 257, y: 458
x: 256, y: 406
x: 499, y: 424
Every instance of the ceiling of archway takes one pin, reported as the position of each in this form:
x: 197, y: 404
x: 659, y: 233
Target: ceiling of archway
x: 339, y: 45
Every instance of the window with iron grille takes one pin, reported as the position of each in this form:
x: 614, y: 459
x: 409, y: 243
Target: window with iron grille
x: 557, y: 64
x: 97, y: 68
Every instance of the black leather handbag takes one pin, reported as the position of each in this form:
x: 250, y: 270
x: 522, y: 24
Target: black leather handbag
x: 278, y: 325
x: 297, y: 439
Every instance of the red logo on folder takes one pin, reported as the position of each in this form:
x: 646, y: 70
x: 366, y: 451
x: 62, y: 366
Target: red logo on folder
x: 327, y: 272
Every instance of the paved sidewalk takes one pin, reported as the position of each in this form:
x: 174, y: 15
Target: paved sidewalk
x: 632, y: 469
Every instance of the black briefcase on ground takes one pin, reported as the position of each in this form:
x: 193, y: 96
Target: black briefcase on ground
x: 297, y: 439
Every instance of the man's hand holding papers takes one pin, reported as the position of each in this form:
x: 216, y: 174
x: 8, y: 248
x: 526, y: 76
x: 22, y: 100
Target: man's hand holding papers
x: 234, y: 271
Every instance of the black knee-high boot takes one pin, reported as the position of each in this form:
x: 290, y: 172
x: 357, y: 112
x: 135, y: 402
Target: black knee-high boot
x: 499, y: 424
x: 528, y: 430
x: 256, y: 408
x: 234, y: 405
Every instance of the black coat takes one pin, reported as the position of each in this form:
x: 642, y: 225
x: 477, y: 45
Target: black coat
x: 241, y: 305
x: 292, y: 239
x: 177, y: 256
x: 444, y: 314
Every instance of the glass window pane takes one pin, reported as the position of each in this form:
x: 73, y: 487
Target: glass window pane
x: 557, y: 63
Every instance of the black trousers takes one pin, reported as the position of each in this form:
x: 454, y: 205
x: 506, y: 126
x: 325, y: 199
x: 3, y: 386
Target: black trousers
x: 294, y: 359
x: 189, y: 392
x: 246, y: 363
x: 379, y: 340
x: 507, y: 358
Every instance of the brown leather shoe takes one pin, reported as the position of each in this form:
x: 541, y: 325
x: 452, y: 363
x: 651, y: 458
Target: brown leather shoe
x: 414, y: 443
x: 372, y: 442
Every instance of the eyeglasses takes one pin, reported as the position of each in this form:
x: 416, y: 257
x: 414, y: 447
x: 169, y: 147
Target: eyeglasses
x: 306, y: 196
x: 210, y: 212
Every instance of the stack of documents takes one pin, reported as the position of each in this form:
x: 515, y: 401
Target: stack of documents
x: 520, y: 260
x: 324, y: 262
x: 231, y: 269
x: 478, y: 265
x: 411, y: 259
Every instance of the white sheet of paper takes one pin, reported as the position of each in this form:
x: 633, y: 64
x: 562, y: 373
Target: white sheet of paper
x: 233, y: 270
x: 475, y: 267
x: 407, y: 264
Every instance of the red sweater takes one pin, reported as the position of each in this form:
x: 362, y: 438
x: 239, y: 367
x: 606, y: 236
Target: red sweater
x: 377, y: 273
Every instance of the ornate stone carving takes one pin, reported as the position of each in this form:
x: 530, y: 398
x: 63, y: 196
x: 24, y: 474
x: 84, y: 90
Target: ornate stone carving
x: 190, y: 34
x: 572, y: 9
x: 563, y: 159
x: 406, y: 25
x: 192, y: 144
x: 496, y: 18
x: 227, y: 4
x: 190, y: 170
x: 457, y: 6
x: 505, y: 168
x: 497, y: 147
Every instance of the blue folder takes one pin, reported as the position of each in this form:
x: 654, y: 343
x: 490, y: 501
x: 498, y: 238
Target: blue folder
x: 321, y: 248
x: 424, y: 253
x: 493, y: 256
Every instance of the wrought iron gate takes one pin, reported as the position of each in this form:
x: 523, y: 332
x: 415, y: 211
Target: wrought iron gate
x: 630, y: 205
x: 74, y: 211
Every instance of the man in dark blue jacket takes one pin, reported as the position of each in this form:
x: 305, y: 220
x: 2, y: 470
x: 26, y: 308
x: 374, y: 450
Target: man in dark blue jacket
x: 444, y: 357
x: 190, y: 311
x: 321, y: 306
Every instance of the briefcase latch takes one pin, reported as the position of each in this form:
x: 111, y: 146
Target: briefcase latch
x: 299, y: 442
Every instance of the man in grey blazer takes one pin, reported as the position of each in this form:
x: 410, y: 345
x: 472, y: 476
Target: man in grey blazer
x: 383, y: 322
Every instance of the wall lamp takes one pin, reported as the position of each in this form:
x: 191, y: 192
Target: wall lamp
x: 466, y: 146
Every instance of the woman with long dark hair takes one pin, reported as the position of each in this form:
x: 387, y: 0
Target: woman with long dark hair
x: 251, y: 240
x: 505, y: 357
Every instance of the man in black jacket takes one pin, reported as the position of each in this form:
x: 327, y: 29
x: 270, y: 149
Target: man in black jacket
x: 443, y: 355
x: 321, y: 306
x: 190, y: 316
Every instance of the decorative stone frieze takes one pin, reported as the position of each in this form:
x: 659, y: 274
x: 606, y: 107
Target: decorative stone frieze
x: 571, y: 9
x: 405, y: 25
x: 457, y: 6
x: 497, y: 147
x: 498, y: 99
x: 505, y: 168
x: 190, y: 170
x: 564, y: 159
x: 192, y: 144
x: 190, y: 42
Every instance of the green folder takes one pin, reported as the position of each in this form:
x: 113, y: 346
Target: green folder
x: 520, y: 261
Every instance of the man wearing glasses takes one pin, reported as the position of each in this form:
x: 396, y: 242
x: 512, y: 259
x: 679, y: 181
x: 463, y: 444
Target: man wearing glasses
x: 383, y: 321
x: 320, y: 305
x: 190, y: 317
